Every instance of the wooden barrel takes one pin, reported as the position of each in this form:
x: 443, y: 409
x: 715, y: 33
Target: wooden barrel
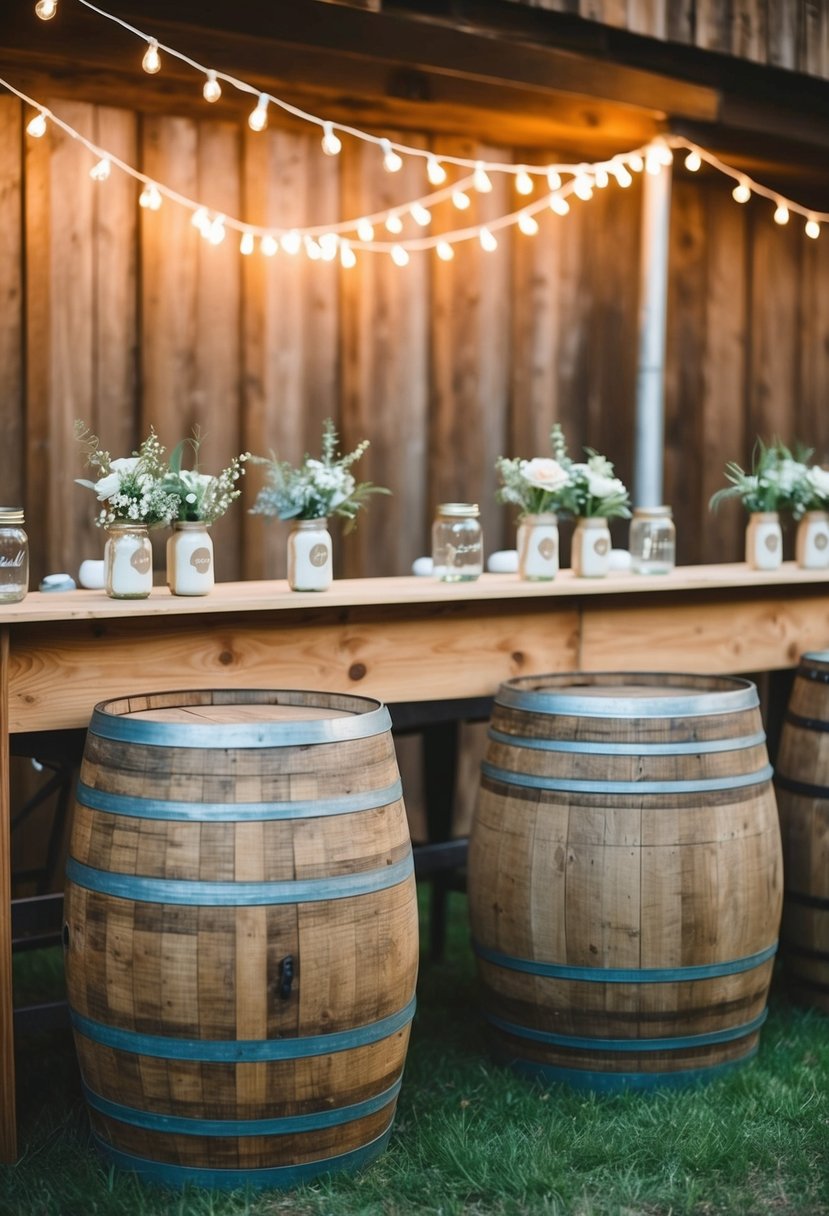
x: 802, y: 780
x: 625, y: 877
x: 241, y: 934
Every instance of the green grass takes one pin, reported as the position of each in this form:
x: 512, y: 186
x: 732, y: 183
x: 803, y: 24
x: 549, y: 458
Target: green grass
x: 473, y: 1139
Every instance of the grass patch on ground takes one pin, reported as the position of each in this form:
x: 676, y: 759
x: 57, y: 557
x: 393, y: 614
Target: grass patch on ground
x: 472, y: 1139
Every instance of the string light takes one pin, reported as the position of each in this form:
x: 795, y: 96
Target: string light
x: 601, y: 179
x: 101, y: 170
x: 269, y: 245
x: 247, y: 244
x: 150, y: 197
x: 420, y: 215
x: 559, y: 205
x: 524, y: 184
x: 481, y: 179
x: 332, y: 145
x: 693, y: 162
x: 329, y: 244
x: 528, y: 224
x: 635, y: 162
x: 365, y: 231
x: 212, y: 90
x: 312, y: 248
x: 36, y: 127
x: 348, y: 257
x: 151, y: 63
x: 620, y: 172
x: 741, y: 192
x: 399, y: 255
x: 781, y: 213
x: 488, y: 240
x: 435, y: 171
x: 217, y: 232
x: 553, y: 179
x: 291, y: 242
x: 392, y: 162
x: 46, y: 9
x: 461, y: 200
x: 445, y: 251
x: 258, y: 117
x: 201, y: 220
x: 394, y: 223
x: 812, y: 229
x: 583, y: 186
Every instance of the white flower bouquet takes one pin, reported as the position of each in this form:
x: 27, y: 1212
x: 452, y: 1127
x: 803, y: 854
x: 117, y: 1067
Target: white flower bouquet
x: 318, y: 488
x: 563, y: 486
x: 778, y: 481
x: 811, y: 492
x: 201, y: 497
x: 131, y: 489
x: 534, y: 486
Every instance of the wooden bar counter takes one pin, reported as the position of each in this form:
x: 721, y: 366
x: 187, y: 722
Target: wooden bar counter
x: 399, y: 639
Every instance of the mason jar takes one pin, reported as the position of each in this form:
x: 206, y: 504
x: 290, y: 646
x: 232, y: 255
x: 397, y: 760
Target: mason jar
x: 14, y: 556
x: 457, y: 542
x: 652, y: 540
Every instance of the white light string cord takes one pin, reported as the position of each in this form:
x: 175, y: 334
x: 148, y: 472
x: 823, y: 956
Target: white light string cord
x: 342, y: 238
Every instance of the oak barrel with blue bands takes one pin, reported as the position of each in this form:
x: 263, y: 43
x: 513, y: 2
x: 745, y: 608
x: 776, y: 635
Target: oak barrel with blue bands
x: 241, y: 934
x: 625, y: 877
x: 802, y: 781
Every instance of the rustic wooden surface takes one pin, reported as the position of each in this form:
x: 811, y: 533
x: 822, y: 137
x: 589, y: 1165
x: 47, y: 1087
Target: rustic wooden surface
x: 8, y: 1120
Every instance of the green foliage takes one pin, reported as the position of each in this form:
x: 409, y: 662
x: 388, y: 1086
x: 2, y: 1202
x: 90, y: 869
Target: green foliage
x: 778, y: 480
x: 473, y: 1139
x: 562, y: 485
x: 318, y: 488
x: 201, y: 496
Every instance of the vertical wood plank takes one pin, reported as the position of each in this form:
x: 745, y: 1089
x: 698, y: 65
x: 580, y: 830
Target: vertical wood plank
x: 783, y: 33
x: 749, y: 37
x: 649, y: 17
x: 774, y: 330
x: 713, y: 25
x: 385, y: 388
x: 11, y: 302
x: 813, y: 49
x: 811, y: 416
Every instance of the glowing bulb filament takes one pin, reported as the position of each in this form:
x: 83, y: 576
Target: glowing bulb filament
x: 559, y: 205
x: 46, y: 9
x: 348, y: 257
x: 524, y: 184
x: 444, y: 251
x: 741, y: 192
x: 528, y: 224
x: 392, y: 163
x: 332, y: 145
x: 693, y: 162
x: 291, y: 242
x: 600, y: 179
x: 582, y: 186
x: 150, y: 197
x: 620, y: 172
x: 201, y: 220
x: 212, y: 90
x: 480, y: 180
x: 636, y: 163
x: 37, y: 125
x: 781, y: 214
x: 435, y: 171
x: 365, y: 231
x: 553, y: 179
x: 420, y: 214
x: 488, y: 241
x: 813, y: 229
x: 246, y: 244
x: 312, y: 249
x: 258, y: 117
x: 216, y: 232
x: 329, y: 244
x: 460, y: 200
x: 394, y: 223
x: 269, y: 245
x: 101, y: 171
x: 399, y: 255
x: 151, y: 63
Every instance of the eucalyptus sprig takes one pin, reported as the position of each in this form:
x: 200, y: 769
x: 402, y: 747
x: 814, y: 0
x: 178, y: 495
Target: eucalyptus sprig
x: 777, y: 480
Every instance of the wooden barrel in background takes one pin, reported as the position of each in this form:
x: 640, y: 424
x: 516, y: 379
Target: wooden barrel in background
x: 241, y: 934
x: 802, y: 780
x: 625, y: 877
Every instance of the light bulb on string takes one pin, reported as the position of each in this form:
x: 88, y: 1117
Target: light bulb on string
x: 528, y: 224
x: 392, y: 162
x: 583, y: 186
x: 365, y: 230
x: 291, y: 241
x: 258, y: 117
x: 653, y: 161
x: 212, y: 90
x: 435, y: 171
x: 150, y: 197
x: 663, y: 153
x: 445, y: 251
x: 781, y: 213
x: 201, y: 220
x: 559, y: 205
x: 151, y: 63
x: 348, y: 257
x: 394, y: 223
x: 553, y: 179
x: 524, y: 183
x: 620, y: 172
x: 481, y: 180
x: 635, y: 162
x: 460, y: 200
x: 247, y: 244
x: 420, y: 214
x: 488, y: 240
x: 269, y: 245
x: 329, y: 244
x: 741, y: 192
x: 101, y: 170
x: 312, y: 249
x: 216, y: 233
x: 399, y: 255
x: 693, y: 161
x: 332, y: 145
x: 46, y: 9
x: 36, y: 127
x: 812, y: 228
x: 600, y: 179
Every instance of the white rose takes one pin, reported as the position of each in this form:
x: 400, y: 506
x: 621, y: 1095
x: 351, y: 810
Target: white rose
x: 600, y: 486
x: 107, y: 486
x: 819, y: 480
x: 544, y: 473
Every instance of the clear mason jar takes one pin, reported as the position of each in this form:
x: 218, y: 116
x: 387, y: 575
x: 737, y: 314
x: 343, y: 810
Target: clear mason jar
x: 310, y: 563
x: 457, y: 542
x: 652, y: 540
x: 190, y: 558
x: 14, y: 556
x: 128, y: 562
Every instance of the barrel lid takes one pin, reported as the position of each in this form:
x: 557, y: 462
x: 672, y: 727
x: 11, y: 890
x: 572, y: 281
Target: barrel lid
x: 239, y: 718
x: 628, y: 694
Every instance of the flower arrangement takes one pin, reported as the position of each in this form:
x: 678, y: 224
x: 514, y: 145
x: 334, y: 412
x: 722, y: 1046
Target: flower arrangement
x: 811, y: 492
x: 318, y: 488
x: 130, y: 488
x: 201, y: 497
x: 562, y: 485
x: 778, y: 480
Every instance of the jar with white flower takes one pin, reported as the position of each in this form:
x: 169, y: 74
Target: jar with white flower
x: 773, y: 484
x: 812, y: 512
x: 202, y: 499
x: 590, y: 551
x: 128, y: 562
x: 534, y: 486
x: 593, y: 495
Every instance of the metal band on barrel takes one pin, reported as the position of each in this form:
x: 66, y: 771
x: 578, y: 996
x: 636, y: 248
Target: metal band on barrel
x: 572, y: 785
x: 625, y: 975
x: 609, y: 706
x: 631, y: 749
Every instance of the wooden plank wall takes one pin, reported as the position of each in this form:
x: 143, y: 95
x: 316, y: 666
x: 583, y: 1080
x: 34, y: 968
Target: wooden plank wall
x: 792, y: 34
x: 130, y: 319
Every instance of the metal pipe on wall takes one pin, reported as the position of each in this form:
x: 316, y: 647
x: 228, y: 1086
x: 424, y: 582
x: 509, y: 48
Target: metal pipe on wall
x: 653, y: 307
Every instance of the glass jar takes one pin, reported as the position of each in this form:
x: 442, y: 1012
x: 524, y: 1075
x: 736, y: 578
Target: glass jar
x: 128, y: 562
x: 310, y: 563
x: 457, y: 542
x: 14, y: 556
x: 652, y: 540
x: 190, y: 559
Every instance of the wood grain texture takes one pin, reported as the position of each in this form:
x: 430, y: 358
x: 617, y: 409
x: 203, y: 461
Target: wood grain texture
x: 569, y: 868
x: 11, y: 301
x: 8, y: 1117
x: 207, y: 970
